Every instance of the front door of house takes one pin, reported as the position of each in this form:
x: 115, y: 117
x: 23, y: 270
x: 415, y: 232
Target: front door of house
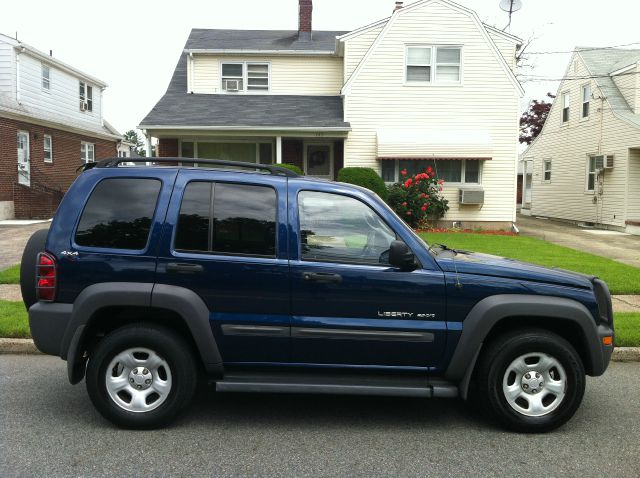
x: 319, y: 160
x: 24, y: 169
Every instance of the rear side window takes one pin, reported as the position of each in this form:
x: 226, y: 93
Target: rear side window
x: 227, y: 219
x: 118, y: 214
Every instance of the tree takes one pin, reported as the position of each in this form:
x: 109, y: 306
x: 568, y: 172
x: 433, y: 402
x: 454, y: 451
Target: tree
x: 532, y: 120
x: 132, y: 137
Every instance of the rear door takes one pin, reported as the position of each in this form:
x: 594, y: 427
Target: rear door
x: 349, y: 306
x: 225, y: 239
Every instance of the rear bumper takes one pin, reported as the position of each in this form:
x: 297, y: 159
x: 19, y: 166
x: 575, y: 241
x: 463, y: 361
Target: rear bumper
x: 48, y: 322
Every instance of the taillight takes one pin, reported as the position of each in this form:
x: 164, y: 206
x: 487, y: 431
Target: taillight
x: 46, y: 277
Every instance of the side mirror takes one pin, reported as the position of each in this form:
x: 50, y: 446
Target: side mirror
x: 400, y: 256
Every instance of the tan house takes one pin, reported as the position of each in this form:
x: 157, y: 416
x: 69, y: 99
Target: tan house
x: 429, y: 85
x: 584, y: 166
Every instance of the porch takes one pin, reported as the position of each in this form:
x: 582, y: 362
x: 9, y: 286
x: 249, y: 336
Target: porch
x: 317, y: 155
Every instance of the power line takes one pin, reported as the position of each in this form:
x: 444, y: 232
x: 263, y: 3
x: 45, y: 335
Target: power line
x: 579, y: 50
x: 570, y: 78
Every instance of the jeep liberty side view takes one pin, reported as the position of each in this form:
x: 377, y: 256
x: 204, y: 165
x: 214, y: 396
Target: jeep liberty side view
x: 151, y: 277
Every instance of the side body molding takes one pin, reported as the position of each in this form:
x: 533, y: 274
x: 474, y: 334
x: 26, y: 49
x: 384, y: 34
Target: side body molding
x: 195, y: 313
x: 489, y: 311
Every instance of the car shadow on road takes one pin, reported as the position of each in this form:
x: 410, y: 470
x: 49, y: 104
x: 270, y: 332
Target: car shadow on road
x: 301, y: 410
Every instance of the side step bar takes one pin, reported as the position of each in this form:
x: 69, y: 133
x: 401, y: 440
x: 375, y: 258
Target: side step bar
x: 336, y: 387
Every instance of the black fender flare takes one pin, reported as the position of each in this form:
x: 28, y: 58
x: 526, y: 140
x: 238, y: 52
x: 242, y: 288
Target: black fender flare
x: 183, y: 302
x: 491, y: 310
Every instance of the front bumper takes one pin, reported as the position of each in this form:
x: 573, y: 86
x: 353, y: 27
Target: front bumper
x: 48, y: 322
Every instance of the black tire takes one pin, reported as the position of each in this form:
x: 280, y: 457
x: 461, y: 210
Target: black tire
x: 166, y: 344
x: 498, y: 356
x: 35, y: 245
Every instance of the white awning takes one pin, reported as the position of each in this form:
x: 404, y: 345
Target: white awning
x: 434, y: 144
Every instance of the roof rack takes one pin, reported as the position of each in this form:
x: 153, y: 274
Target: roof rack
x: 115, y: 162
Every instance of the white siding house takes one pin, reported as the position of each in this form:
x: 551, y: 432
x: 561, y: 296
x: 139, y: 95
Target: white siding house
x: 50, y: 121
x: 584, y: 166
x: 429, y: 85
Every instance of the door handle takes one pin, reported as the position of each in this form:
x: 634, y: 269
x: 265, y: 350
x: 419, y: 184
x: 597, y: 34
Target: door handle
x: 321, y: 277
x: 184, y: 268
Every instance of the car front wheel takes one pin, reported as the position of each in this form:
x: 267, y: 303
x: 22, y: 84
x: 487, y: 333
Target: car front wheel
x: 531, y: 381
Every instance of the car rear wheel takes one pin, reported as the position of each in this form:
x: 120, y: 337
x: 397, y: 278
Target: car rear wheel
x: 141, y: 376
x: 531, y: 381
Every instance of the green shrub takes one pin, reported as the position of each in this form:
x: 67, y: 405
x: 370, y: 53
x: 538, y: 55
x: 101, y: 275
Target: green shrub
x: 291, y: 167
x: 418, y: 199
x: 365, y: 177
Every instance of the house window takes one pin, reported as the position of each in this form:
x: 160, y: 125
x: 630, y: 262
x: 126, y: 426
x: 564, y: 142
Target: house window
x: 565, y: 107
x: 248, y: 152
x: 86, y: 97
x: 451, y: 170
x: 591, y: 174
x: 586, y: 99
x: 48, y: 148
x: 420, y: 64
x: 46, y: 77
x: 241, y: 77
x: 87, y: 152
x: 546, y: 171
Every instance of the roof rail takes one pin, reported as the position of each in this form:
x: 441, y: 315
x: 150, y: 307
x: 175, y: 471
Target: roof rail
x: 115, y: 162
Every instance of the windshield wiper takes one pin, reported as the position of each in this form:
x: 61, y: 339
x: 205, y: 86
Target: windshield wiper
x: 444, y: 247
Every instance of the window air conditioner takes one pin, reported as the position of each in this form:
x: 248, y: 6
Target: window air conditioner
x: 471, y: 196
x: 604, y: 161
x: 232, y: 85
x: 83, y: 106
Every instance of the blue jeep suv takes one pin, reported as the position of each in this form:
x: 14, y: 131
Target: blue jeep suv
x: 151, y: 277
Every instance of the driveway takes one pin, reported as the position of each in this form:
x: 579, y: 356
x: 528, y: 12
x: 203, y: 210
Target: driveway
x: 49, y: 428
x: 12, y: 242
x: 614, y: 245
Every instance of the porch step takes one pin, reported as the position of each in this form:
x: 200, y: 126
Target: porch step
x: 342, y: 384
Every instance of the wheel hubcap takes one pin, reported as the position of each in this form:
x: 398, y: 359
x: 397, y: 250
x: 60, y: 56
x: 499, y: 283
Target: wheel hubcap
x: 138, y: 380
x: 534, y: 384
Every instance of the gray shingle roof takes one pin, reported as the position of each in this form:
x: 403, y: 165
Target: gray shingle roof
x: 202, y: 39
x: 179, y: 108
x: 601, y: 62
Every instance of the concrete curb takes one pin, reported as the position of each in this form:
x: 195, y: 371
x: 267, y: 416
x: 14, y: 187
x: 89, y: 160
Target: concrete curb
x: 26, y: 346
x: 18, y: 346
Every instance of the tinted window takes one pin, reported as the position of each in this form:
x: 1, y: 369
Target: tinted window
x: 193, y: 223
x: 335, y: 228
x: 244, y: 219
x: 118, y: 214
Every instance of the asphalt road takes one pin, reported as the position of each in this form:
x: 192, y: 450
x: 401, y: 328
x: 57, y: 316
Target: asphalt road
x: 49, y: 428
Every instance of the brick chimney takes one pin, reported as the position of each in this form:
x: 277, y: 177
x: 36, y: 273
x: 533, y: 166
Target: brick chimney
x: 399, y: 5
x: 305, y: 13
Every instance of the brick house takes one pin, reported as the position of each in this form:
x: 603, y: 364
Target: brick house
x: 430, y: 85
x: 50, y: 123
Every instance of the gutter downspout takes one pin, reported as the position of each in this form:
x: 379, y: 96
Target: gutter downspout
x: 18, y: 74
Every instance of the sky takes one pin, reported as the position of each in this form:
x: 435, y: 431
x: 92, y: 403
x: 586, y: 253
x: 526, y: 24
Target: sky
x: 134, y: 45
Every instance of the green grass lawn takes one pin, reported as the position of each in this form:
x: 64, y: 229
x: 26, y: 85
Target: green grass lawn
x: 14, y: 323
x: 10, y: 275
x: 621, y: 278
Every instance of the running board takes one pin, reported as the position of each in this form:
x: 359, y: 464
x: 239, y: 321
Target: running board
x: 337, y: 386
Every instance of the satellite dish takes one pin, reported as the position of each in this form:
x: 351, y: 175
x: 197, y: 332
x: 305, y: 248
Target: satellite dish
x: 510, y: 5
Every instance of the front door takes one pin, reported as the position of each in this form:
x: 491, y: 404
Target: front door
x: 319, y: 160
x: 226, y: 241
x: 24, y: 167
x: 349, y: 306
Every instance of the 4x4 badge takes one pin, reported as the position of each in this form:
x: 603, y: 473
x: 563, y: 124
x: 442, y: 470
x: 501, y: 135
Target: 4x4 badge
x: 69, y: 253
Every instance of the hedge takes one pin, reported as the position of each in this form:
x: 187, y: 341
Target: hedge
x: 291, y: 167
x: 365, y: 177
